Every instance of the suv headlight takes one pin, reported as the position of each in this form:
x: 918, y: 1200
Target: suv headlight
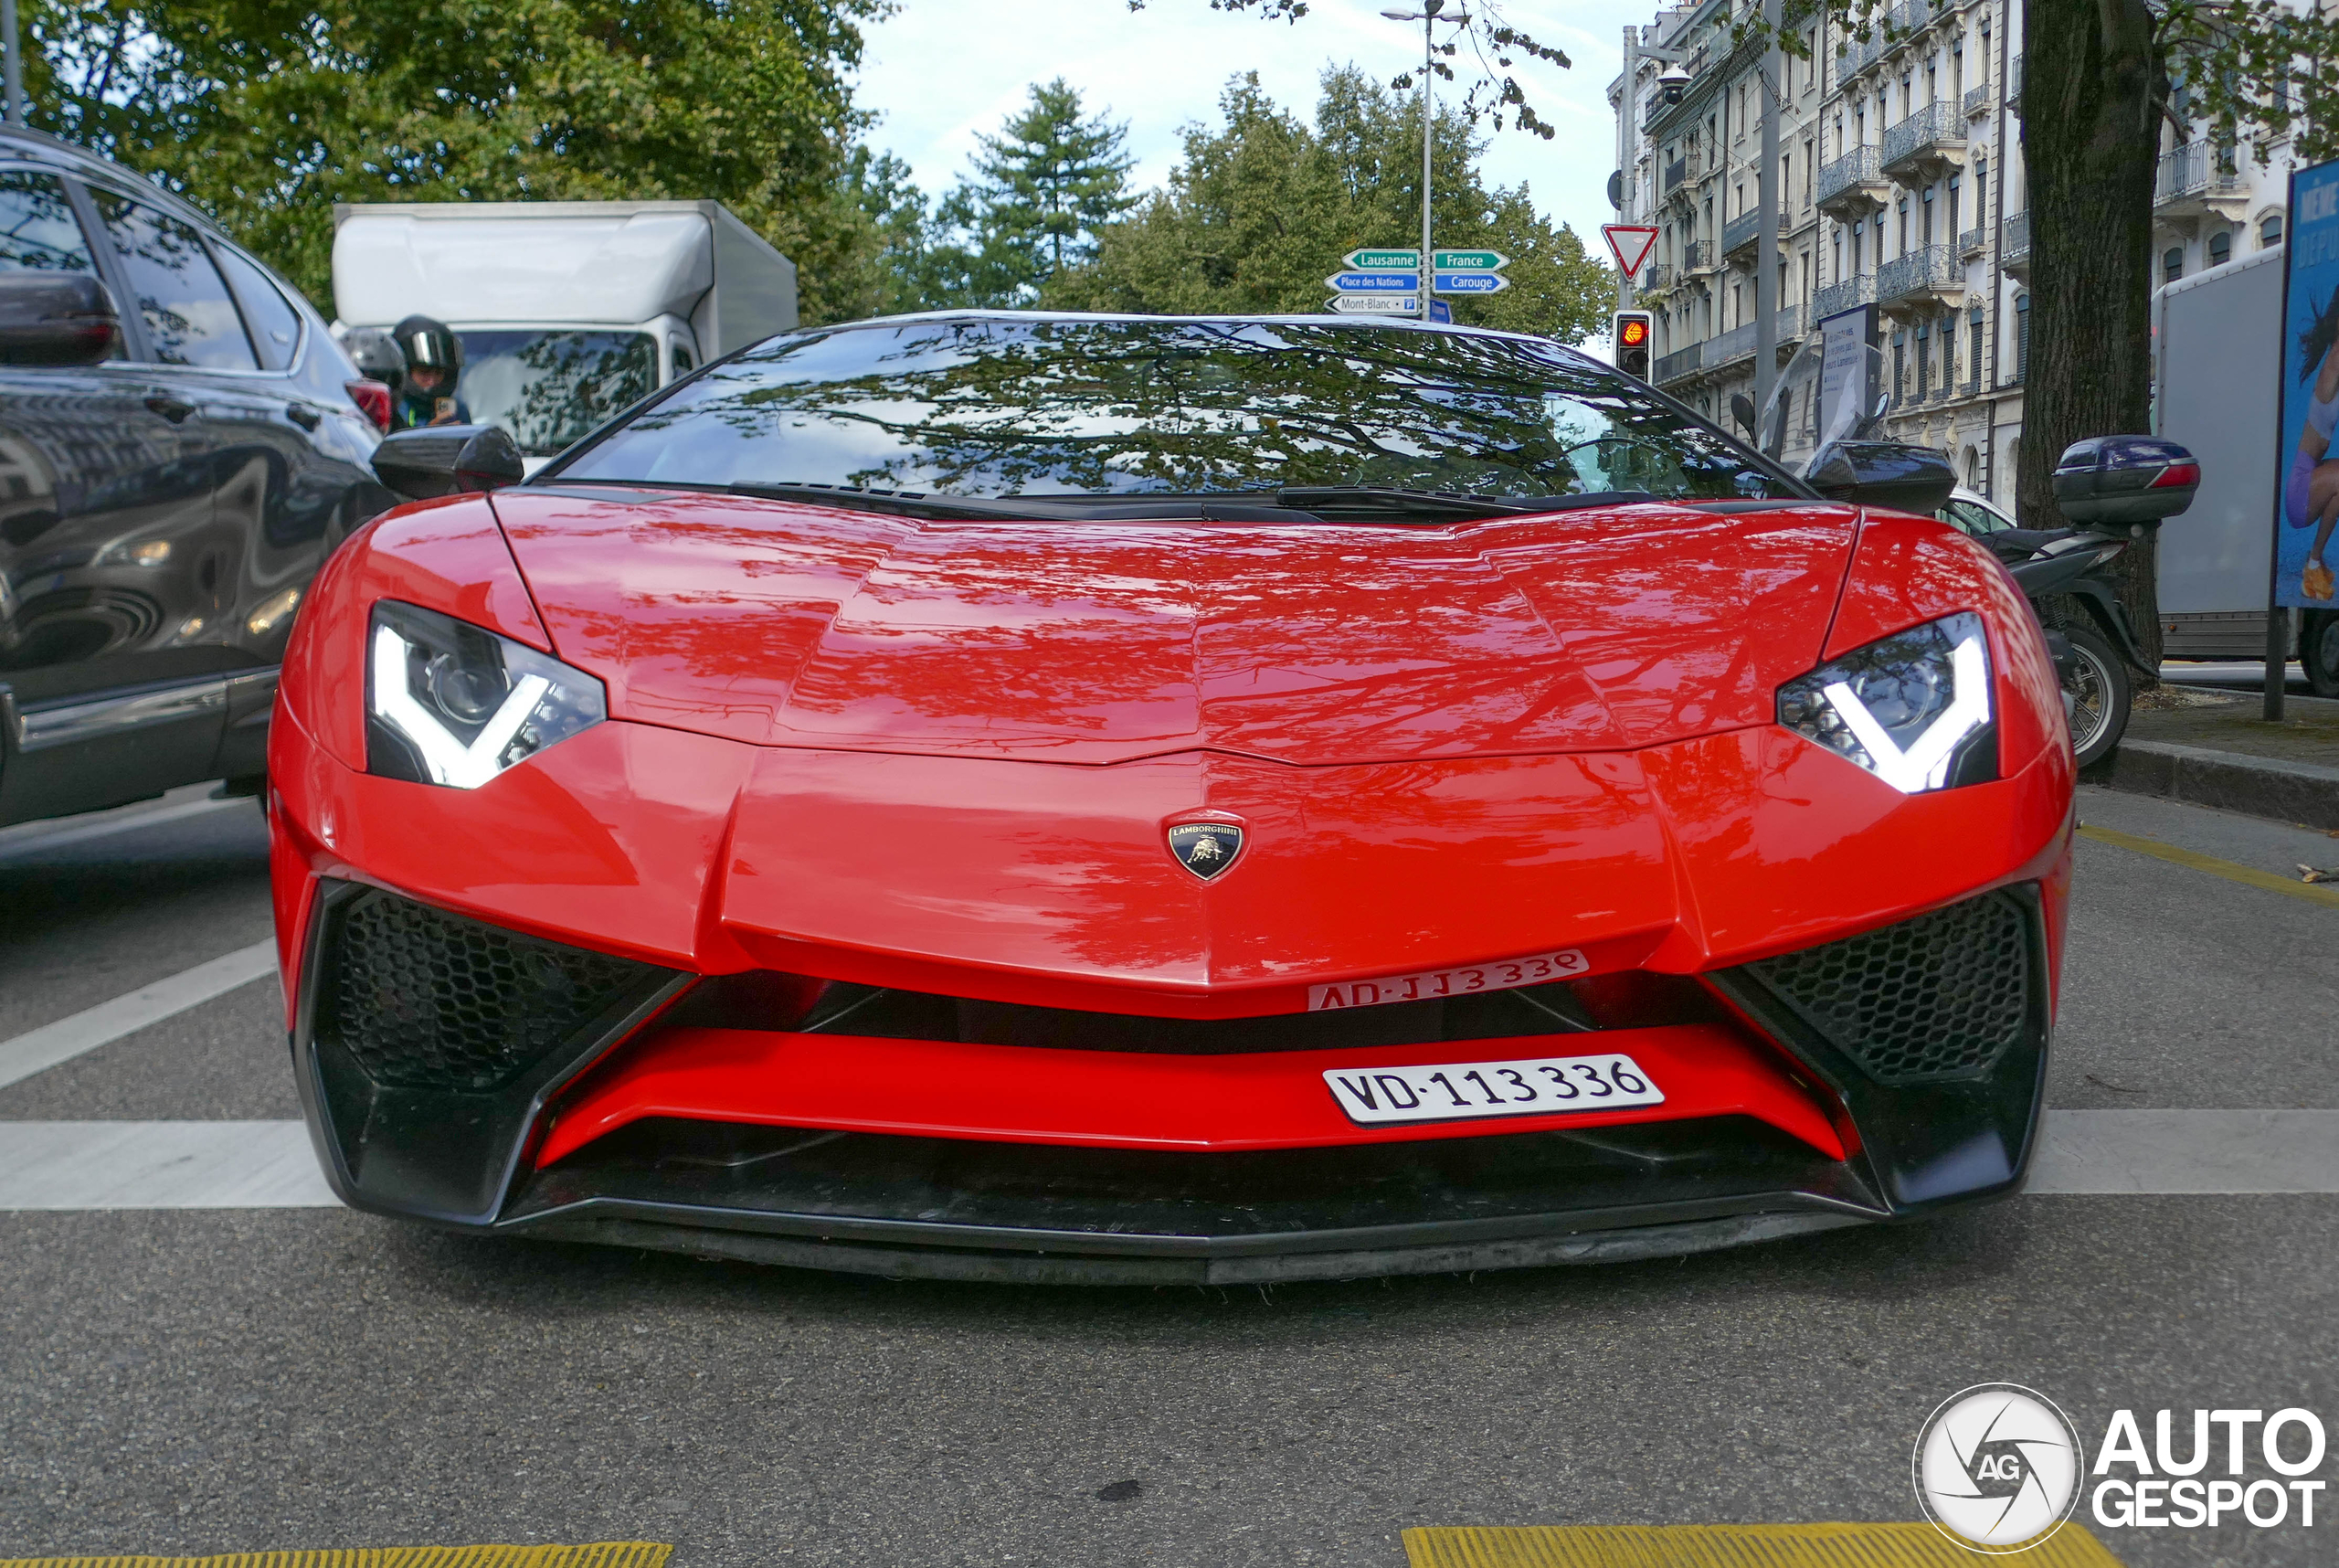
x: 1913, y: 709
x: 449, y: 703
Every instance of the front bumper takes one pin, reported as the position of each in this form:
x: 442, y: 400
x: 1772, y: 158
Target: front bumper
x: 631, y: 1114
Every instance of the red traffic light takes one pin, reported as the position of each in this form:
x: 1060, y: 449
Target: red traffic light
x: 1632, y: 331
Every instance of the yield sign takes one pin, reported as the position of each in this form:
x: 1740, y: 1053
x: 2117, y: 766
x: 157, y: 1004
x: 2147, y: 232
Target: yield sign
x: 1630, y: 244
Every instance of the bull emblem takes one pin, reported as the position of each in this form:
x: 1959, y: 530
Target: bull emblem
x: 1206, y: 849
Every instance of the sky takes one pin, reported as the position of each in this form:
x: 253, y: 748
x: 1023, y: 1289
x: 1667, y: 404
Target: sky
x: 937, y: 72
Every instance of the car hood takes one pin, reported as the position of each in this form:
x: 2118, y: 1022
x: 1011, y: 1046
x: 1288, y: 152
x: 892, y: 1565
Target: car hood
x: 784, y: 624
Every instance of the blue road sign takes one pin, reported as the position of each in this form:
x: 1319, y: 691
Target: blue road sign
x: 1469, y: 282
x: 1375, y: 283
x: 1439, y: 310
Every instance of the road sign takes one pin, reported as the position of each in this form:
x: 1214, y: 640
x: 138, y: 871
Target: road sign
x: 1382, y: 260
x: 1467, y: 260
x: 1469, y: 282
x: 1439, y: 310
x: 1375, y: 304
x: 1375, y: 283
x: 1630, y: 244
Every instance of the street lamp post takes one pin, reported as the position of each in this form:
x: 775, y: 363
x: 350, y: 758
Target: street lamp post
x: 12, y: 81
x: 1429, y: 16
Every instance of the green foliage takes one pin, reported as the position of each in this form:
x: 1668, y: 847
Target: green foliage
x: 1040, y: 190
x: 1264, y: 207
x: 266, y: 113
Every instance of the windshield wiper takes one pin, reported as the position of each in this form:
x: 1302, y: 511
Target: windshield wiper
x: 1437, y: 505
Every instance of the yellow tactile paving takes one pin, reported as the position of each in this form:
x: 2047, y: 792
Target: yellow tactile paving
x: 1731, y: 1546
x: 599, y: 1554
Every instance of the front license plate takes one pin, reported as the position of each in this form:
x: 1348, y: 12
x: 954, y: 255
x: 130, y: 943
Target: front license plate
x: 1505, y: 974
x: 1453, y: 1091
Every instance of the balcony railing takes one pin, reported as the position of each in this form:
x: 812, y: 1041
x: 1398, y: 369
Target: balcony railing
x: 1861, y: 53
x: 1698, y: 255
x: 1657, y: 277
x: 1977, y: 102
x: 1973, y: 241
x: 2013, y: 240
x: 1747, y: 227
x: 1738, y: 342
x: 1855, y: 167
x: 1681, y: 361
x: 2014, y: 84
x: 1675, y: 173
x: 1931, y: 267
x: 1935, y: 124
x: 2201, y: 168
x: 1849, y: 294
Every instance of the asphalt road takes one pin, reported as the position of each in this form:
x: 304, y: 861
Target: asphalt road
x: 228, y: 1379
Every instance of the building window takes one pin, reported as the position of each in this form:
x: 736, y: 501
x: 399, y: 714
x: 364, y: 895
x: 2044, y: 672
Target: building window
x: 2270, y: 230
x: 1973, y: 469
x: 1973, y: 360
x: 2172, y: 264
x: 1924, y: 362
x: 2221, y: 248
x: 1925, y: 203
x: 1948, y: 357
x: 2021, y: 336
x: 1899, y: 365
x: 1954, y: 214
x: 1980, y: 191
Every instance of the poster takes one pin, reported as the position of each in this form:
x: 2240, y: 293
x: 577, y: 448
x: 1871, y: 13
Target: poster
x: 2307, y: 509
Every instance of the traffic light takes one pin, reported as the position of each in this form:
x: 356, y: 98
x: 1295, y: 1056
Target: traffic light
x: 1632, y: 343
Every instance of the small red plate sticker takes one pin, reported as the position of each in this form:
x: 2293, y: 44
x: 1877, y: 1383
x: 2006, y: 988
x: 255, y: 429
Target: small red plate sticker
x: 1504, y: 974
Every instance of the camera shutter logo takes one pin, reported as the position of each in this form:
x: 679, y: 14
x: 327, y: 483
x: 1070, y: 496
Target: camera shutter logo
x: 1997, y: 1467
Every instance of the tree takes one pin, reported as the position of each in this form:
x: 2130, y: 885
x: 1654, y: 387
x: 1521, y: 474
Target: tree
x: 266, y: 113
x: 1264, y: 205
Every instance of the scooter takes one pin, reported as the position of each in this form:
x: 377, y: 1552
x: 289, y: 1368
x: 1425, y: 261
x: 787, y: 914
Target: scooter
x: 2112, y: 489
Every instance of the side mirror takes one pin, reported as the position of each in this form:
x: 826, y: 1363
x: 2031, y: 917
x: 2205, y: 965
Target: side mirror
x: 1883, y: 473
x: 1741, y: 408
x: 448, y: 459
x: 2123, y: 482
x: 56, y: 319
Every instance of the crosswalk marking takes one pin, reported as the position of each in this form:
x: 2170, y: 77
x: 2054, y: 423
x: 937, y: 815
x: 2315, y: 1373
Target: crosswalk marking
x: 45, y: 1047
x: 270, y: 1165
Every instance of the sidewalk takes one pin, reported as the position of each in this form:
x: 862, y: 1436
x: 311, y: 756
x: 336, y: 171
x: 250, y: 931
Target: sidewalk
x: 2212, y: 749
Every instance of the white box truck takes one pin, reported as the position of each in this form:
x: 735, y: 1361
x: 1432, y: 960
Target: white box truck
x: 569, y: 311
x: 2217, y: 357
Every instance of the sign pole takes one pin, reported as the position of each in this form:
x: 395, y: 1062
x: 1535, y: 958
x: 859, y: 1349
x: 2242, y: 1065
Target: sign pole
x: 1627, y: 134
x: 1429, y: 127
x: 2277, y: 614
x: 1767, y: 196
x: 12, y: 112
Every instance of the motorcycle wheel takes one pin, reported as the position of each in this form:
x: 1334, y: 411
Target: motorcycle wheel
x: 2319, y: 651
x: 2097, y: 688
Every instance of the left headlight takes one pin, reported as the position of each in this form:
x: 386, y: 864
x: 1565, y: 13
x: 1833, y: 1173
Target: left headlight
x: 1913, y: 708
x: 449, y: 703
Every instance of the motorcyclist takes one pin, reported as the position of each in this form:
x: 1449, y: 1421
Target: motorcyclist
x: 434, y: 362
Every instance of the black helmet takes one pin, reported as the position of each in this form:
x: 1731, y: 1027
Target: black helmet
x: 428, y: 341
x: 377, y: 355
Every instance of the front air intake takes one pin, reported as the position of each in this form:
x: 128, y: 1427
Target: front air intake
x: 1943, y: 996
x: 424, y: 1000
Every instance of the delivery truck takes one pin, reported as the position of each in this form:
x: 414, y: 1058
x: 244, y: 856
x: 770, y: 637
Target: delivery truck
x: 569, y: 311
x: 2217, y: 358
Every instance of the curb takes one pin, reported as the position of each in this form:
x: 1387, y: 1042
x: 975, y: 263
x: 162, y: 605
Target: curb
x: 2258, y: 785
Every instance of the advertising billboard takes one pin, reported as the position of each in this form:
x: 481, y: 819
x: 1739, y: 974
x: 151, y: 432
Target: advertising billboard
x: 2309, y: 505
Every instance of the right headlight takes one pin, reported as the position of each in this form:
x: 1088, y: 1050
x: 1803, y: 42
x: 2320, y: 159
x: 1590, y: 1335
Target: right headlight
x: 1913, y: 708
x: 449, y: 703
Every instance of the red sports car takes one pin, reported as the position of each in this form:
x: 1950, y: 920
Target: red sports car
x: 1117, y: 799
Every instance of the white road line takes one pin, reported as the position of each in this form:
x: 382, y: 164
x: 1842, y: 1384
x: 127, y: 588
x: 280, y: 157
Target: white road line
x: 159, y: 1165
x: 269, y: 1164
x: 39, y: 838
x: 45, y: 1047
x: 2188, y: 1151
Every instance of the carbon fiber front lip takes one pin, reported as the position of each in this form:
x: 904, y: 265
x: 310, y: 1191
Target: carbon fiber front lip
x: 1563, y: 1247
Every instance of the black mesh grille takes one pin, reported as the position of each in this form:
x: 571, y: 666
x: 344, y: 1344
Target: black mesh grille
x: 1943, y: 994
x: 424, y: 999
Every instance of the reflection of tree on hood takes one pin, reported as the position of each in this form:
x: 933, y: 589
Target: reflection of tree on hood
x: 989, y: 407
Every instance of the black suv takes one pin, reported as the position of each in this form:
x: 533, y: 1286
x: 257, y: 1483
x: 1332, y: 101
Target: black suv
x: 182, y: 442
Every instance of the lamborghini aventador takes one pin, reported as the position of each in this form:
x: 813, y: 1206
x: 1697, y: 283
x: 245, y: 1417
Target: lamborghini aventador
x: 1094, y: 799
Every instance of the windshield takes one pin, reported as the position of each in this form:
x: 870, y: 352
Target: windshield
x: 995, y: 407
x: 549, y: 389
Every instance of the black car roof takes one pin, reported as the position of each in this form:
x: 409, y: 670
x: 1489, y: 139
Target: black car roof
x: 16, y: 143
